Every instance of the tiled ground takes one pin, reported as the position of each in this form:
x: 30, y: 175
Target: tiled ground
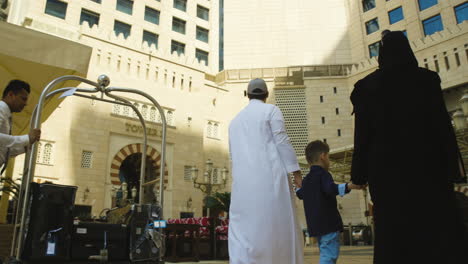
x: 348, y: 255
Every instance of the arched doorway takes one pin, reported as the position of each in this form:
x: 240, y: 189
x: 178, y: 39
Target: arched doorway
x: 129, y: 172
x: 126, y: 168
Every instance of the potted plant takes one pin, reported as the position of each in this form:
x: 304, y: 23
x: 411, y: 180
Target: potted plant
x: 218, y: 202
x: 11, y: 188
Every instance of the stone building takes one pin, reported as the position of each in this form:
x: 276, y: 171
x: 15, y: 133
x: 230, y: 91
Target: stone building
x: 196, y: 58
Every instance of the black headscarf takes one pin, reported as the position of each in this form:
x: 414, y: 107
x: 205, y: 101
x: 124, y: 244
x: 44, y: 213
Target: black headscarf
x: 395, y: 52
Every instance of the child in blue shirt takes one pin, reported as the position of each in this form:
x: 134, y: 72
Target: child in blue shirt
x: 318, y: 192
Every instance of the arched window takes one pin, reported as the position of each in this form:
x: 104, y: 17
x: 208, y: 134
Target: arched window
x: 144, y: 112
x: 209, y: 129
x: 47, y: 154
x: 169, y: 117
x: 215, y: 130
x: 153, y: 114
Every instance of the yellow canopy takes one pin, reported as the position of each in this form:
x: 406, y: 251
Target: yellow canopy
x: 38, y: 58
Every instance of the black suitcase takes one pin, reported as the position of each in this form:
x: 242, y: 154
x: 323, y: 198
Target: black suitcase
x: 89, y: 238
x: 145, y: 241
x: 48, y: 236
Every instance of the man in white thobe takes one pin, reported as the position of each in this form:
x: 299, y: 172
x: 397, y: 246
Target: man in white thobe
x: 14, y: 99
x: 263, y: 227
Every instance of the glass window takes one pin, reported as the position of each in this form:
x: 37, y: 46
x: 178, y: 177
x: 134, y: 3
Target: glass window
x: 56, y: 8
x: 169, y: 118
x: 372, y: 26
x: 368, y: 5
x: 215, y: 130
x: 120, y: 27
x: 395, y: 15
x: 177, y: 47
x: 178, y: 25
x: 201, y: 56
x: 425, y: 4
x: 180, y: 4
x: 125, y: 6
x: 97, y: 1
x: 150, y: 38
x: 374, y: 49
x: 152, y: 114
x: 187, y: 173
x: 202, y: 34
x: 144, y: 112
x: 461, y: 12
x: 209, y: 127
x: 432, y: 25
x: 46, y: 159
x: 90, y: 17
x: 86, y: 159
x: 203, y: 12
x: 152, y: 15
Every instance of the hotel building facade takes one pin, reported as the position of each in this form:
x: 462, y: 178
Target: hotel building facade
x: 196, y: 58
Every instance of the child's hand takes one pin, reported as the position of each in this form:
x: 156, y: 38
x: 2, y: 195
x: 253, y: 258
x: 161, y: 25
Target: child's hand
x: 298, y: 179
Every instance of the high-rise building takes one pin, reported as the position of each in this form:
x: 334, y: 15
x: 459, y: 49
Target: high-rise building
x: 265, y: 34
x: 313, y: 52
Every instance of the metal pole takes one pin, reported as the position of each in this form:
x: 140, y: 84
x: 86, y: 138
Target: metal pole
x: 350, y: 234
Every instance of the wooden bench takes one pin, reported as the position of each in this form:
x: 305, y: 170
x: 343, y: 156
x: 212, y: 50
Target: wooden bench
x: 182, y: 242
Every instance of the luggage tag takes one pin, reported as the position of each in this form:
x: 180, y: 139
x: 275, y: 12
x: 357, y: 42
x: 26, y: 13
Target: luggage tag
x: 52, y: 242
x: 160, y: 224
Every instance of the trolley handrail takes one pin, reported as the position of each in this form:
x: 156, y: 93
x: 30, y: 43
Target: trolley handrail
x: 29, y: 166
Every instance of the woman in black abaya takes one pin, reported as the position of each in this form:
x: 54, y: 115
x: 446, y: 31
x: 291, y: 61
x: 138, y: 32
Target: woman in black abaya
x: 405, y: 149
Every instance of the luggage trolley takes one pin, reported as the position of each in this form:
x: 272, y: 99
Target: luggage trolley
x: 101, y: 86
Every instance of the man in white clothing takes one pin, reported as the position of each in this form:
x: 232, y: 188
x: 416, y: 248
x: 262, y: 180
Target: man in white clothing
x: 15, y: 98
x: 263, y: 227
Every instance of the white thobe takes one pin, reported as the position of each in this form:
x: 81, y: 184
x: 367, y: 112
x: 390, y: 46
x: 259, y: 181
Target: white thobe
x: 263, y: 227
x: 15, y: 144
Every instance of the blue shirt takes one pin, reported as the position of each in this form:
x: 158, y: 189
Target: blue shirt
x: 318, y: 193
